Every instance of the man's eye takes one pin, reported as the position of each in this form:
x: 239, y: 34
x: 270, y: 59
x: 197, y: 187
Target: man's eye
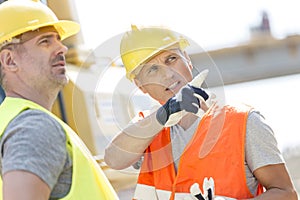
x: 44, y: 41
x: 171, y: 59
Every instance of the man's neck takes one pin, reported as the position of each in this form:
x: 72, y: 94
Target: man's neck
x: 187, y: 121
x: 45, y: 101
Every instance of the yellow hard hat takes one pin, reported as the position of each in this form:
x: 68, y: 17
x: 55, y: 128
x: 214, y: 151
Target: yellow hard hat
x: 20, y: 16
x: 139, y: 45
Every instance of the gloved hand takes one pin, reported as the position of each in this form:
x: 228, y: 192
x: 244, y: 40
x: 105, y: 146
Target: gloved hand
x: 197, y: 82
x: 208, y: 191
x: 186, y: 100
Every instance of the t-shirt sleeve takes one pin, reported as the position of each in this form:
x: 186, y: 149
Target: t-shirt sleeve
x: 261, y: 147
x: 34, y: 142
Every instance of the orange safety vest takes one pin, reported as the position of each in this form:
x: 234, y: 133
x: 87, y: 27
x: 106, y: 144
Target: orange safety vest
x: 216, y: 150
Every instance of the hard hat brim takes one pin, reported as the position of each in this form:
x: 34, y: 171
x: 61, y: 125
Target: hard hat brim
x: 64, y: 28
x: 132, y: 74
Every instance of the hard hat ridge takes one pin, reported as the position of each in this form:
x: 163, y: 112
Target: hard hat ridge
x: 21, y: 16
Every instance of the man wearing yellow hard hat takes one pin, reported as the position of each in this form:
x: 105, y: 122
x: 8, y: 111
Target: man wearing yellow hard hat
x: 190, y: 148
x: 41, y: 157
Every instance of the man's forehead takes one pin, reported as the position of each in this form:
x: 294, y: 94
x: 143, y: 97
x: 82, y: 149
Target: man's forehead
x: 32, y: 34
x: 163, y: 54
x: 154, y: 60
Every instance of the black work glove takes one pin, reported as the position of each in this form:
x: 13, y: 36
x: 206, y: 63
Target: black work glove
x: 208, y: 191
x: 187, y: 99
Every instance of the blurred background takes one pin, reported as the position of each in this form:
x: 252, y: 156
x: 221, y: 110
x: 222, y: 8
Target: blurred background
x: 251, y: 48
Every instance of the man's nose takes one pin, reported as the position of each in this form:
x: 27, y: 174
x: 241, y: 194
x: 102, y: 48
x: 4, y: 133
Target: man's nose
x: 61, y: 47
x: 168, y: 72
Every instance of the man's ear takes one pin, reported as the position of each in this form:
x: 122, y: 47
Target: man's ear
x: 139, y: 85
x: 7, y: 60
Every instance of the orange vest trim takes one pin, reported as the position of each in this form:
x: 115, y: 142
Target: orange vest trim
x: 216, y: 150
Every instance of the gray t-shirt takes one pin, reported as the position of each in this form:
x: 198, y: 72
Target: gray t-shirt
x: 35, y: 142
x: 260, y: 147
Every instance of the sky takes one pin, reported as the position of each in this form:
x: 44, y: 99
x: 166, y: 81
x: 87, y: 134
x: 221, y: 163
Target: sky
x: 211, y: 24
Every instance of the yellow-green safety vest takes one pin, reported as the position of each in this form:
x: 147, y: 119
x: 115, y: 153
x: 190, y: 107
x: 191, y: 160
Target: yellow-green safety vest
x: 88, y: 180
